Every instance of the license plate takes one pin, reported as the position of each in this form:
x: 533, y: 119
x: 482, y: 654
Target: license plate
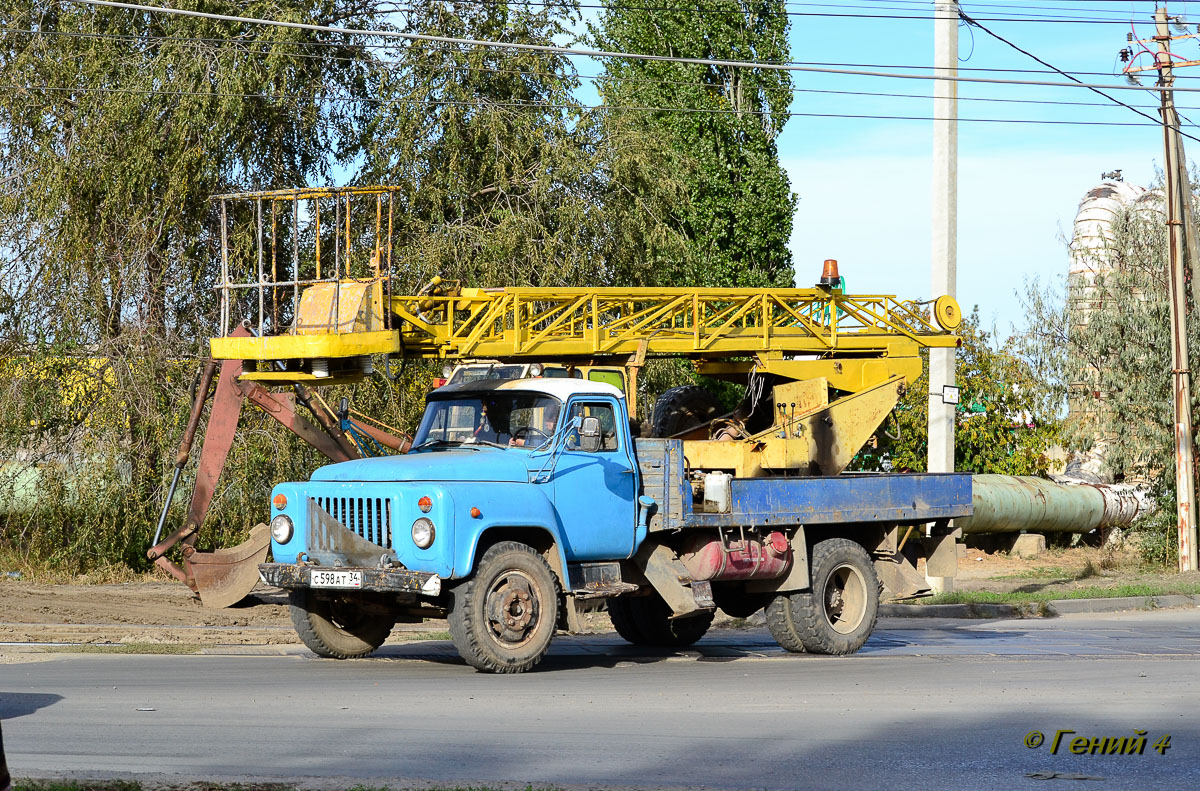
x: 335, y: 579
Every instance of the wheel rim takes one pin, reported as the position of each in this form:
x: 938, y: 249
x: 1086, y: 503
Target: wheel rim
x: 845, y: 599
x: 512, y: 609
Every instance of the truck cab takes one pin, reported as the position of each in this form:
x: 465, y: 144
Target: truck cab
x: 540, y: 473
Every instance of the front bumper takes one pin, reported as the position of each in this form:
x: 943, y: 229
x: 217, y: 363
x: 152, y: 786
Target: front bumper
x: 292, y: 577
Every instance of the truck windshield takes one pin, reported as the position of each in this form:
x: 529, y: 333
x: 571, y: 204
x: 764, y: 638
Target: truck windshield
x: 493, y: 418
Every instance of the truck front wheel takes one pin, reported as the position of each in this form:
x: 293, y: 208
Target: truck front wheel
x: 838, y: 614
x: 503, y: 618
x: 646, y: 620
x: 337, y: 628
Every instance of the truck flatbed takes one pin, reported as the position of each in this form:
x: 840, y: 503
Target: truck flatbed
x: 892, y: 498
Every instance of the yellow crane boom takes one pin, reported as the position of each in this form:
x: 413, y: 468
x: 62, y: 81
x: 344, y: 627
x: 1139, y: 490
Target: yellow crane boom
x: 319, y: 320
x: 854, y: 341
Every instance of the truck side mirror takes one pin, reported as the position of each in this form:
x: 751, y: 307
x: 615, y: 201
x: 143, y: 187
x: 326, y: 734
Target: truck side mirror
x: 589, y: 435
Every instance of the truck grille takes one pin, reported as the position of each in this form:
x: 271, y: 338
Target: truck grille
x: 369, y: 517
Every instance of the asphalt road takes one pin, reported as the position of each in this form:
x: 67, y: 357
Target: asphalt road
x: 928, y: 705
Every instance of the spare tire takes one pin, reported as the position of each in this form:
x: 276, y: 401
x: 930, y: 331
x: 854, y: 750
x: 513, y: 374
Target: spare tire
x: 682, y: 408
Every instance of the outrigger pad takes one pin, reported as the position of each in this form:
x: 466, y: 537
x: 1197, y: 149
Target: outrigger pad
x: 226, y: 576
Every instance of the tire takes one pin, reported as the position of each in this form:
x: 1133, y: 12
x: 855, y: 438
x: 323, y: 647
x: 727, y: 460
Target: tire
x: 503, y: 618
x: 781, y: 624
x: 838, y: 613
x: 337, y: 628
x: 621, y: 614
x: 681, y: 408
x: 646, y: 620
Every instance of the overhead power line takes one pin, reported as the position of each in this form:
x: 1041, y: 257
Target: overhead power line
x: 389, y: 64
x: 962, y: 15
x: 594, y: 53
x: 556, y: 106
x: 1001, y: 16
x: 247, y: 44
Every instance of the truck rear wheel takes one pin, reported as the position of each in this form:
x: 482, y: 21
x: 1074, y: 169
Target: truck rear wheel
x: 646, y: 620
x: 503, y: 618
x: 838, y: 613
x: 337, y: 628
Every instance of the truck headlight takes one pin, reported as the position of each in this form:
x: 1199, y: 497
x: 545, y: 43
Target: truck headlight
x: 422, y: 533
x: 281, y: 528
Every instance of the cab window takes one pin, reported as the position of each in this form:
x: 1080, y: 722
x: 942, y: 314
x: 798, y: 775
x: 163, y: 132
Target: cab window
x: 608, y: 423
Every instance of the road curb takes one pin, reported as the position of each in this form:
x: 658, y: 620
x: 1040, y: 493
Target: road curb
x: 1037, y: 609
x: 954, y: 611
x: 1065, y: 606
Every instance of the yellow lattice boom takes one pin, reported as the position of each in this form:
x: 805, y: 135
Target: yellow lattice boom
x: 318, y: 311
x: 843, y: 332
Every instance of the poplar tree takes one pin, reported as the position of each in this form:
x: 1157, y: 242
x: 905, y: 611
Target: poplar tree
x: 736, y: 209
x: 497, y: 172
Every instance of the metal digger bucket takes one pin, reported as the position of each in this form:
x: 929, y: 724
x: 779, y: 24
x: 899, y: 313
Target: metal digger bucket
x: 224, y: 577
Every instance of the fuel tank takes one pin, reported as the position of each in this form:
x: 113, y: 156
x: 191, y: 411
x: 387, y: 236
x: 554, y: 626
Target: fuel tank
x: 720, y: 559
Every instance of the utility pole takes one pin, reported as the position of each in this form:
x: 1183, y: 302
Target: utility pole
x: 1181, y: 245
x: 1178, y: 213
x: 945, y: 236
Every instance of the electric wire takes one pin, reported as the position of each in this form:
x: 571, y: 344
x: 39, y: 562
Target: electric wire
x: 600, y: 108
x: 600, y: 78
x: 246, y: 44
x: 998, y: 37
x: 825, y: 15
x: 1003, y: 16
x: 392, y: 64
x: 594, y: 53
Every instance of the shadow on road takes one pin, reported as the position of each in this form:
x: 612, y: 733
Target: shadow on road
x: 581, y: 653
x: 22, y: 704
x: 608, y: 651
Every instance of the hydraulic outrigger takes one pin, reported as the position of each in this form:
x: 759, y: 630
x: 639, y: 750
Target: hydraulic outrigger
x: 837, y: 363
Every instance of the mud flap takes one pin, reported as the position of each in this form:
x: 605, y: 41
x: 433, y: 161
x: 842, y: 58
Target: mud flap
x: 224, y: 577
x: 671, y: 579
x: 900, y: 577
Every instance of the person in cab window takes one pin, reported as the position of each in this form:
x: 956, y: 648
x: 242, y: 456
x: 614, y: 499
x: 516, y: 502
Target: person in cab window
x: 539, y: 431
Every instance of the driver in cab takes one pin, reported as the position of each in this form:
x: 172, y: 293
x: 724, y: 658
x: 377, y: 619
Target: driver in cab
x: 538, y: 431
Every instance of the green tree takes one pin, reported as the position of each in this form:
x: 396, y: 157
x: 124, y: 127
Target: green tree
x: 1103, y: 341
x: 736, y: 214
x: 1006, y: 420
x: 117, y: 126
x: 505, y: 173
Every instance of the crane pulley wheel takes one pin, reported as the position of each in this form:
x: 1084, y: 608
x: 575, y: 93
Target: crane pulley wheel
x: 947, y: 313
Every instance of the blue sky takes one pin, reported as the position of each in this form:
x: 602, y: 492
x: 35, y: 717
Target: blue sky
x: 864, y: 184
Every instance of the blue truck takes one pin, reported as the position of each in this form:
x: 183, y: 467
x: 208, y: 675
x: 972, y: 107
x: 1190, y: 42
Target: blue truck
x: 526, y: 503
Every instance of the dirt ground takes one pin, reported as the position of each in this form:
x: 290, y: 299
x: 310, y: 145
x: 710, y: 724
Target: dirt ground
x: 166, y: 614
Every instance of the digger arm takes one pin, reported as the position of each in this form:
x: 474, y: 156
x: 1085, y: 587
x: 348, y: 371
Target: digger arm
x: 227, y: 575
